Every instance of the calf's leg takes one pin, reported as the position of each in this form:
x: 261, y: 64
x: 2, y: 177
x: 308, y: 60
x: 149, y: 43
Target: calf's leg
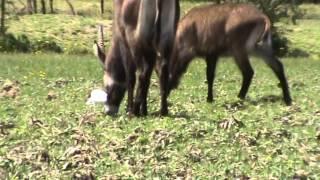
x: 274, y: 63
x: 242, y: 60
x: 211, y: 68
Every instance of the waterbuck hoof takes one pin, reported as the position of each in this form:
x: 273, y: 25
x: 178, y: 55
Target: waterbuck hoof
x: 144, y: 112
x: 242, y: 97
x: 164, y: 112
x: 136, y: 109
x: 209, y: 100
x: 288, y: 101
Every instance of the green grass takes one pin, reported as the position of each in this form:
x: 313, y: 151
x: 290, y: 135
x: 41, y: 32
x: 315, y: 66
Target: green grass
x: 305, y: 36
x: 47, y: 131
x: 74, y: 34
x: 63, y: 138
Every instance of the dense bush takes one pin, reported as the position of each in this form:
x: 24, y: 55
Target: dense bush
x: 10, y: 43
x: 21, y: 43
x: 46, y: 45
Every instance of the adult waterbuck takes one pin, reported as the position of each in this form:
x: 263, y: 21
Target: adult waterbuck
x: 143, y: 31
x: 210, y: 31
x: 114, y: 78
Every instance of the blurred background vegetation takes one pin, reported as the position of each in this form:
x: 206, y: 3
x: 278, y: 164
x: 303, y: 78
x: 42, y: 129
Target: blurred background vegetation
x: 69, y: 26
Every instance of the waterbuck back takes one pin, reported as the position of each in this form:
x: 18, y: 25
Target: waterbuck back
x: 212, y: 30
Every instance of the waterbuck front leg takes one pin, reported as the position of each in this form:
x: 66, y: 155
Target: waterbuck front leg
x: 140, y: 104
x: 242, y: 60
x: 211, y: 68
x: 274, y: 63
x: 131, y: 81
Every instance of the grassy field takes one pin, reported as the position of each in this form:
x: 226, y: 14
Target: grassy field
x: 47, y: 131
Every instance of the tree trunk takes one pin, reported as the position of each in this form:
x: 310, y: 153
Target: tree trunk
x: 43, y: 7
x: 3, y: 10
x: 35, y: 6
x: 102, y: 6
x: 71, y: 7
x: 51, y: 6
x: 29, y: 7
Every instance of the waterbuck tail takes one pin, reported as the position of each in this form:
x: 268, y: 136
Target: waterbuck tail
x: 267, y: 34
x: 148, y: 13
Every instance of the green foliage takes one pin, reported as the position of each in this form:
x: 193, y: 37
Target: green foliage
x: 46, y: 45
x: 71, y: 35
x: 10, y: 43
x: 280, y: 42
x: 21, y: 43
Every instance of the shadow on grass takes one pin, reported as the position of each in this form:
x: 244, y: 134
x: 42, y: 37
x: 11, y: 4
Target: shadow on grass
x: 180, y: 114
x: 265, y: 100
x: 240, y: 105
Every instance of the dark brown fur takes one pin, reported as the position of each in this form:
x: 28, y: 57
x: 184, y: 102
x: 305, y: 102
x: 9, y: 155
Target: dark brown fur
x: 210, y: 31
x: 141, y: 30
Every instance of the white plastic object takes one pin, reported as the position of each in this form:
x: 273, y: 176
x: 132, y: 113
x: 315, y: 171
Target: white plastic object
x: 97, y: 96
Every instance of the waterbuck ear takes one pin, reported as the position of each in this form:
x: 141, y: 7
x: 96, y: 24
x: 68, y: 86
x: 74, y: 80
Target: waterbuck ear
x: 98, y: 47
x: 98, y: 52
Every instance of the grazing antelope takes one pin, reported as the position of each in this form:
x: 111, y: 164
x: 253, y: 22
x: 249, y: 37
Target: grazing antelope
x: 212, y: 30
x: 142, y: 31
x: 114, y: 78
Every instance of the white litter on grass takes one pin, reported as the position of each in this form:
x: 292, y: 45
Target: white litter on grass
x: 97, y: 96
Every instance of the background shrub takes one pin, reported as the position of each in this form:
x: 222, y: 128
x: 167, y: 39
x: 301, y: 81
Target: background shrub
x: 10, y: 43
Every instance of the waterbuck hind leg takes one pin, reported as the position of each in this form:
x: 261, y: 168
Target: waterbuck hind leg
x: 167, y: 24
x: 266, y: 53
x: 164, y: 77
x: 242, y: 60
x: 211, y: 68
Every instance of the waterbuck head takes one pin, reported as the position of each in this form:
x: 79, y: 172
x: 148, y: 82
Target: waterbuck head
x: 114, y: 73
x: 183, y: 53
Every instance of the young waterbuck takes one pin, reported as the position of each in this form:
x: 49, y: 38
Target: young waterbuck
x: 210, y: 31
x: 142, y: 30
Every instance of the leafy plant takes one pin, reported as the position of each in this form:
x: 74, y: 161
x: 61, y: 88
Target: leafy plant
x: 46, y: 44
x: 10, y: 43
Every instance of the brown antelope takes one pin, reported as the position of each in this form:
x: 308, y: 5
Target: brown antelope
x: 114, y: 78
x: 142, y: 30
x: 212, y: 30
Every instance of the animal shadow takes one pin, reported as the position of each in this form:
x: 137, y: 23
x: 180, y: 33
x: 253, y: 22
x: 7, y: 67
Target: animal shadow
x: 265, y: 100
